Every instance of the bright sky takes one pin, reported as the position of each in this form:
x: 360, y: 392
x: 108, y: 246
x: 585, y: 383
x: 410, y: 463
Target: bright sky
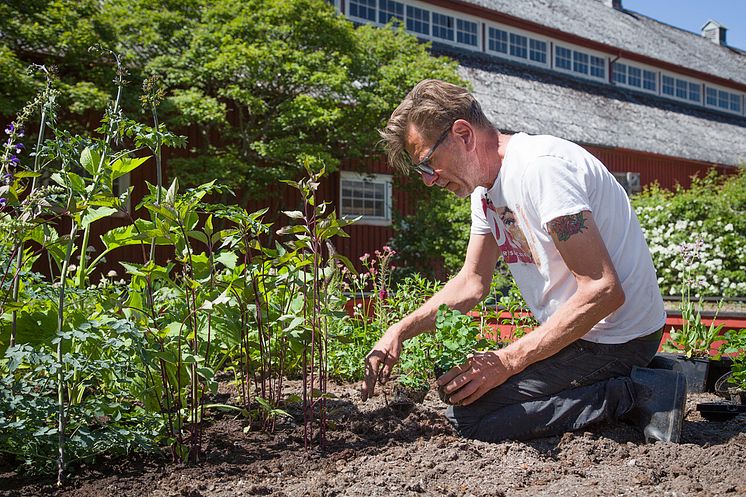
x: 691, y: 15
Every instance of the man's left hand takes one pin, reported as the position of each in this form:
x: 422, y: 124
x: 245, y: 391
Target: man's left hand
x: 481, y: 373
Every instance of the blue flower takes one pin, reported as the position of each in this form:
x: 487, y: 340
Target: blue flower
x: 3, y: 202
x: 15, y: 160
x: 19, y: 147
x: 9, y: 130
x: 7, y: 178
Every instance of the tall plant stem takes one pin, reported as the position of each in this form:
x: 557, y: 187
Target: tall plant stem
x: 19, y: 255
x: 82, y: 270
x: 60, y: 367
x: 158, y: 175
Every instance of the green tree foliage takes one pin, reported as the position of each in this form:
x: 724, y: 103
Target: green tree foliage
x: 16, y: 85
x: 56, y: 33
x: 437, y: 231
x: 266, y: 84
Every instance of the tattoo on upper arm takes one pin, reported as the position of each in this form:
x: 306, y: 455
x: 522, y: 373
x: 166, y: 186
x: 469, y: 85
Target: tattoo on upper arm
x: 566, y: 226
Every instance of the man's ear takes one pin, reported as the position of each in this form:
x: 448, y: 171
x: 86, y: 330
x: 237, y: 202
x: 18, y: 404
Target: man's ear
x: 464, y: 132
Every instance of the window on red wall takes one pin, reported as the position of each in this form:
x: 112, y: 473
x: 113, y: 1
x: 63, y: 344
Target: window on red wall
x: 367, y: 196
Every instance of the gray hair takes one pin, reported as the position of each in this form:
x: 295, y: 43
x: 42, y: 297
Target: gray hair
x: 431, y: 106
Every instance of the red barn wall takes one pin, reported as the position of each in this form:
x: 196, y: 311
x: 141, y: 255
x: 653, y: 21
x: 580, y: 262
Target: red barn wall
x: 668, y: 171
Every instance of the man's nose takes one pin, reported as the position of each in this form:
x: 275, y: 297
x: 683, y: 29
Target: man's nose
x: 429, y: 179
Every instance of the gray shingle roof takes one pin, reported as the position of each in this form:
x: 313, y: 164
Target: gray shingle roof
x: 627, y: 30
x: 523, y: 98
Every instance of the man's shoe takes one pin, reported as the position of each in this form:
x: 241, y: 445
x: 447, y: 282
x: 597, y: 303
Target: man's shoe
x: 660, y: 401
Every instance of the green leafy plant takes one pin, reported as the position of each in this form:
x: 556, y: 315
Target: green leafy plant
x: 436, y: 234
x: 456, y: 337
x: 735, y: 347
x: 694, y: 338
x: 353, y: 336
x: 101, y: 374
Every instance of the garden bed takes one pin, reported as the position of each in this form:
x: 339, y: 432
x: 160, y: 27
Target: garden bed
x: 373, y: 451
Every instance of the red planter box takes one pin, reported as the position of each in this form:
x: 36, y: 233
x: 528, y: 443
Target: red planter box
x: 672, y: 321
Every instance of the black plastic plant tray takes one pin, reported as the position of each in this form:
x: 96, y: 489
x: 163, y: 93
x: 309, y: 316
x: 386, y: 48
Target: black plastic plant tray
x: 720, y: 411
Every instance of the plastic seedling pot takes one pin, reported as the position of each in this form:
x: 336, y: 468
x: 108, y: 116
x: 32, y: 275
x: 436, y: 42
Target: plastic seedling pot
x: 695, y: 369
x: 720, y: 411
x: 718, y: 368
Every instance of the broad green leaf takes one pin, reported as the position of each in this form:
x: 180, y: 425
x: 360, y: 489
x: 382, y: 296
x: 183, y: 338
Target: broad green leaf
x: 293, y: 214
x: 124, y: 165
x: 198, y: 235
x: 208, y: 226
x: 297, y: 321
x: 35, y: 328
x: 223, y: 298
x: 123, y: 236
x: 96, y: 213
x: 227, y: 259
x: 90, y: 160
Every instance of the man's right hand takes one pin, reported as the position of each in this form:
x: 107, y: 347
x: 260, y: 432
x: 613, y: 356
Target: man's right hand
x: 380, y: 361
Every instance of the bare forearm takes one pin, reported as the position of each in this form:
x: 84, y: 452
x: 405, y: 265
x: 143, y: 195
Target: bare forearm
x: 572, y: 321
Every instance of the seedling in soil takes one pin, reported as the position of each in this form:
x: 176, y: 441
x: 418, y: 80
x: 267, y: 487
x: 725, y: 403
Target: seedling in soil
x: 456, y: 337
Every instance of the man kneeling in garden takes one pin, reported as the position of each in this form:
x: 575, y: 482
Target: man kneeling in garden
x: 568, y: 233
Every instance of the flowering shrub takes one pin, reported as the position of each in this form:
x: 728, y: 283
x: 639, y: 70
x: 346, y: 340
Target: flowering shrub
x: 710, y: 214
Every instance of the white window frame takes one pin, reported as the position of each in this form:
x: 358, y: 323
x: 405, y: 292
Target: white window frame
x: 518, y: 32
x: 689, y: 81
x: 581, y: 50
x: 643, y: 68
x: 429, y: 21
x: 362, y: 19
x: 477, y: 35
x: 604, y: 67
x: 719, y: 89
x: 449, y: 28
x: 534, y: 50
x: 455, y: 15
x: 386, y: 179
x: 403, y: 13
x: 505, y: 42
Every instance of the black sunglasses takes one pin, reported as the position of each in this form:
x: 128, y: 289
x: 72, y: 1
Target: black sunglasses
x: 423, y: 167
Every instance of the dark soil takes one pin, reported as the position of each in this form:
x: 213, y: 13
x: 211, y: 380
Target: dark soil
x: 372, y: 450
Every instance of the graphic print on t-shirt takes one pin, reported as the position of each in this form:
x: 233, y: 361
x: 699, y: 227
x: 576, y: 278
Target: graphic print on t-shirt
x: 509, y: 236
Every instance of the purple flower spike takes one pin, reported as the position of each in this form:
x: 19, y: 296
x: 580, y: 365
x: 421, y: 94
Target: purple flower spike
x: 19, y: 147
x: 14, y: 160
x: 3, y: 202
x: 10, y: 129
x: 7, y: 178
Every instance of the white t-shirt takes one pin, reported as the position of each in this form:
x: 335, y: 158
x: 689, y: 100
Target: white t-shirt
x: 541, y: 179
